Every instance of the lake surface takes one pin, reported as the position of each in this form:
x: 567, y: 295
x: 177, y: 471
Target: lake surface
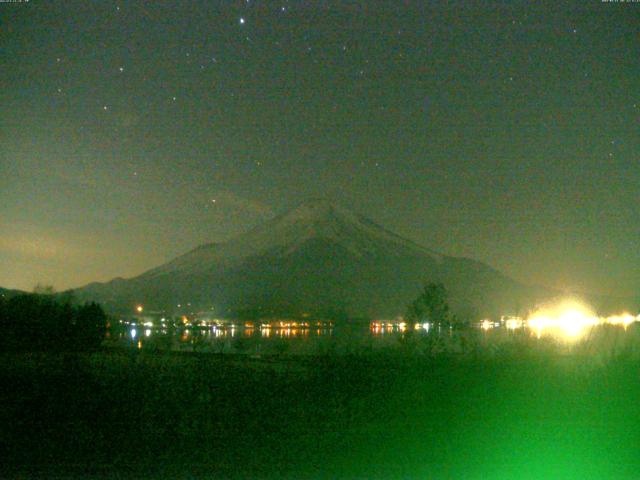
x: 377, y: 336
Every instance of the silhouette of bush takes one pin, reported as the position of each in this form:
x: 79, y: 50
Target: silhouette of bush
x: 88, y: 326
x: 36, y: 322
x: 430, y: 306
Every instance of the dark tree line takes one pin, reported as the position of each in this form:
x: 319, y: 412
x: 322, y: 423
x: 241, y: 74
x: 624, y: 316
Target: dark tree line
x: 43, y: 322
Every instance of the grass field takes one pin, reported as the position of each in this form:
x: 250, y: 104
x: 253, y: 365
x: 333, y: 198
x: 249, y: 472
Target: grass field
x: 515, y: 414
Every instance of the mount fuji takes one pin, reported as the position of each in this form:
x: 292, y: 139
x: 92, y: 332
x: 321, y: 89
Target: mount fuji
x: 318, y: 259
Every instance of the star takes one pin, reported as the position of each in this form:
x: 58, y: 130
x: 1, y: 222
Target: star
x: 241, y: 20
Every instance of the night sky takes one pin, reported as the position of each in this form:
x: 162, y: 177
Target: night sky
x: 131, y: 132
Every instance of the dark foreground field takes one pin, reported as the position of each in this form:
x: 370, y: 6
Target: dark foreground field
x: 513, y: 415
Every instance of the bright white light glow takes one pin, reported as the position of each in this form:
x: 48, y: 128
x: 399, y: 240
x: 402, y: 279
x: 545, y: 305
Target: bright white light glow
x: 572, y: 319
x: 624, y: 319
x: 513, y: 323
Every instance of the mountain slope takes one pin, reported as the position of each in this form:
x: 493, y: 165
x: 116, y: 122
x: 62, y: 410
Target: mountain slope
x: 320, y: 259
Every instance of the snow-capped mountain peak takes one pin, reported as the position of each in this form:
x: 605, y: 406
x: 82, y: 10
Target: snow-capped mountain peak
x: 313, y: 219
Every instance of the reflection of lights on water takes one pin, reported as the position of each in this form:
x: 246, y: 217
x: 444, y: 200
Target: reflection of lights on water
x: 383, y: 327
x: 377, y: 328
x: 288, y: 332
x: 426, y: 326
x: 218, y: 332
x: 572, y: 320
x: 569, y: 322
x: 139, y: 344
x: 513, y: 323
x: 625, y: 319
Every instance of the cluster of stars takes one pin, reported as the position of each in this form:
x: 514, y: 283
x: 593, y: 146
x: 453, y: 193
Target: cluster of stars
x: 212, y: 60
x: 360, y: 67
